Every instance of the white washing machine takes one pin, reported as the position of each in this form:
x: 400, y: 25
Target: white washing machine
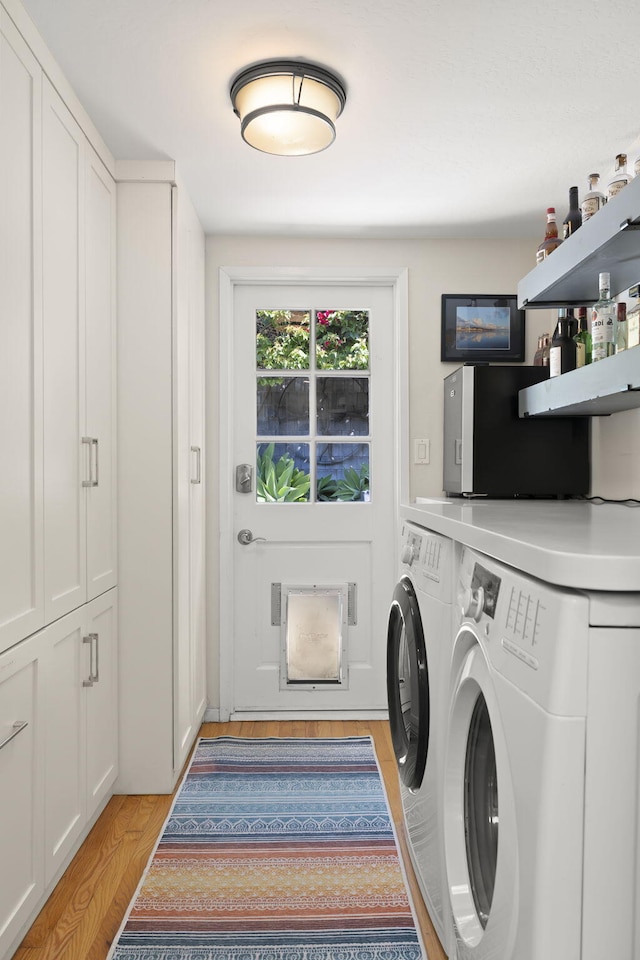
x: 542, y: 769
x: 418, y: 652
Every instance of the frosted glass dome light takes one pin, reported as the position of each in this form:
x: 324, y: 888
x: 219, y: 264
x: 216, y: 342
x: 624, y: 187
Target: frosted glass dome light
x: 287, y: 107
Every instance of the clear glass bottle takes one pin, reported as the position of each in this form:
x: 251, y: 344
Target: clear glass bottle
x: 620, y: 178
x: 546, y: 348
x: 551, y: 238
x: 573, y: 219
x: 537, y: 357
x: 594, y: 199
x: 621, y: 327
x: 582, y: 339
x: 633, y: 318
x: 562, y: 355
x: 603, y: 319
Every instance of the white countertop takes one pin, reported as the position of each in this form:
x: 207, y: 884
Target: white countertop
x: 571, y: 543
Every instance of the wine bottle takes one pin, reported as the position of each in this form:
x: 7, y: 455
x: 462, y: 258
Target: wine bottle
x: 573, y: 219
x: 562, y: 356
x: 603, y: 316
x: 620, y: 178
x: 551, y: 238
x: 582, y: 339
x: 593, y: 199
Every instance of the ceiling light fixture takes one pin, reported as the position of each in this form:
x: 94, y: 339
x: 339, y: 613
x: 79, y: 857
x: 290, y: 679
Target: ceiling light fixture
x: 288, y: 107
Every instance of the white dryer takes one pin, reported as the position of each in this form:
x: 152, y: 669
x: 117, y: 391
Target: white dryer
x: 418, y: 651
x: 542, y: 769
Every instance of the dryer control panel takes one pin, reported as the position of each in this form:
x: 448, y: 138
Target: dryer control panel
x: 428, y: 558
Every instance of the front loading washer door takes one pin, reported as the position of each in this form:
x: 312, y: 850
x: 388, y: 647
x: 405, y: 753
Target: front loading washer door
x: 480, y: 828
x: 408, y: 685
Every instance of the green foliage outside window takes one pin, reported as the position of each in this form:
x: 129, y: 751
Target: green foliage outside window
x: 342, y: 340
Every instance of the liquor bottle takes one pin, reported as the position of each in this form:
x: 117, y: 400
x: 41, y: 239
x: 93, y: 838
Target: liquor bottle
x: 633, y: 318
x: 603, y: 317
x: 593, y: 199
x: 621, y: 327
x: 573, y: 323
x: 551, y: 238
x: 620, y: 178
x: 537, y: 357
x: 582, y: 339
x: 573, y: 219
x: 562, y: 356
x: 546, y: 348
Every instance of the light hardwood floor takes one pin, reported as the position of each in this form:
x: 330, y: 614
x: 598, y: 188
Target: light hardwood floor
x: 83, y: 914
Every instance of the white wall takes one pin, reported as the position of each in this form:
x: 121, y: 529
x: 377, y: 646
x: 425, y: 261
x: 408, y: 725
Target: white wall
x: 435, y: 267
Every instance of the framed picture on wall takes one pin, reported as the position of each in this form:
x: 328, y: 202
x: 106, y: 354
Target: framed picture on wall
x: 481, y: 329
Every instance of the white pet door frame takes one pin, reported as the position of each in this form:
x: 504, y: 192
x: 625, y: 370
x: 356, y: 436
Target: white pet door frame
x: 313, y: 622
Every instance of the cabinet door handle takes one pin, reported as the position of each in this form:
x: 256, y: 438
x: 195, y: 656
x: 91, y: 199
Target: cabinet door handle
x: 15, y: 730
x: 93, y: 445
x: 198, y: 477
x: 94, y: 676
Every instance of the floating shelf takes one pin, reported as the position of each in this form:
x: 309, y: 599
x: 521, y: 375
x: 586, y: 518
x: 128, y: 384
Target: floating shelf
x: 608, y: 241
x: 599, y: 389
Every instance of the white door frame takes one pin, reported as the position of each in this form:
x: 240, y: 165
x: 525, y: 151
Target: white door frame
x: 229, y: 277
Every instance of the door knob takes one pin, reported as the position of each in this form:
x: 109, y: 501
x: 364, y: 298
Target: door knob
x: 245, y: 537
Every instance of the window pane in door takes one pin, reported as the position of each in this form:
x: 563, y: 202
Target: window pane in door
x: 342, y: 339
x: 282, y: 339
x: 282, y: 406
x: 342, y: 471
x: 282, y: 472
x: 342, y: 406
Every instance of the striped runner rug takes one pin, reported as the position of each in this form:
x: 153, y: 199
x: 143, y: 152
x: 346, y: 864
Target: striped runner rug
x: 275, y: 849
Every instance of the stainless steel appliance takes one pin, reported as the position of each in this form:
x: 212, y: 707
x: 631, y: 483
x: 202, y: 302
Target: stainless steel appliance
x: 489, y: 450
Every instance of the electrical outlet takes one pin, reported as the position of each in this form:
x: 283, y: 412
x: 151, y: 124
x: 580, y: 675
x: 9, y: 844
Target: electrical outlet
x: 421, y: 451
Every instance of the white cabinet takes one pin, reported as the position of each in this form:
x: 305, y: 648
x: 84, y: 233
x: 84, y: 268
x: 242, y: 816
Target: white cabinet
x: 80, y: 737
x: 58, y: 683
x: 21, y: 850
x: 160, y: 478
x: 21, y: 542
x: 79, y: 395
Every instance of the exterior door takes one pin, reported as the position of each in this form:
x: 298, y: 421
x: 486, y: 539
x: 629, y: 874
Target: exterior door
x: 313, y: 451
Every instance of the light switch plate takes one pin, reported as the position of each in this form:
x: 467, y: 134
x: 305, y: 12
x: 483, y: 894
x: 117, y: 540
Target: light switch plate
x: 421, y: 451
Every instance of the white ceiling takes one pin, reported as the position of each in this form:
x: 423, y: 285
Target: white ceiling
x: 463, y: 118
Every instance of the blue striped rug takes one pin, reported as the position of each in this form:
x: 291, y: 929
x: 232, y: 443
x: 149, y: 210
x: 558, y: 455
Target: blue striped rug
x: 275, y: 849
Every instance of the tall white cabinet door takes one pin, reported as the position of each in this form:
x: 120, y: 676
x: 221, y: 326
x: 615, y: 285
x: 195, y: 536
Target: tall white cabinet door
x: 100, y: 292
x: 65, y: 668
x: 21, y: 557
x: 188, y: 373
x: 197, y: 584
x: 101, y: 700
x: 21, y: 873
x: 65, y: 455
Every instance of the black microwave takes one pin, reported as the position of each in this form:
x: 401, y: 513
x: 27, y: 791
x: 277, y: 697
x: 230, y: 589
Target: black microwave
x: 490, y: 451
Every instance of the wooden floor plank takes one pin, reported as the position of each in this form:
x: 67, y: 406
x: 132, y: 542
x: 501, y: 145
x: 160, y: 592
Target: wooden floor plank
x: 84, y: 913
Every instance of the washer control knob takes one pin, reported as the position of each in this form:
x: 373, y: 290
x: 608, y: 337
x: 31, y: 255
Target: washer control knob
x: 473, y: 603
x: 407, y: 554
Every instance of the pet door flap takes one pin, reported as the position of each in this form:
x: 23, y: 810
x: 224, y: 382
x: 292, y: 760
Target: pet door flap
x: 313, y: 639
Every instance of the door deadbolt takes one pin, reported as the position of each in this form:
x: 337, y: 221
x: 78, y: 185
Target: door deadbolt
x: 244, y: 478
